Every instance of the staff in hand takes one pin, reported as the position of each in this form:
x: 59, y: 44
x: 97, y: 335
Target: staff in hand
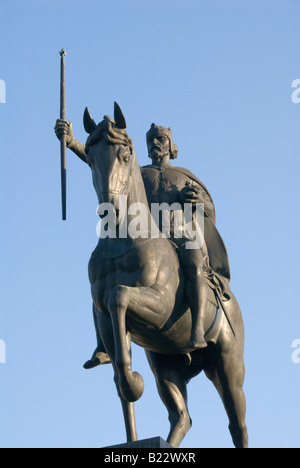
x: 63, y: 145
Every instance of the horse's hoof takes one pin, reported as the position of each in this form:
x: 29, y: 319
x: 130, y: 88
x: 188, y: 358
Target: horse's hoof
x: 132, y: 388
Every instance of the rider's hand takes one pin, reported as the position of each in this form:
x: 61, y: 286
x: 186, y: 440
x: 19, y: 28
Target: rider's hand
x: 62, y: 127
x: 191, y: 194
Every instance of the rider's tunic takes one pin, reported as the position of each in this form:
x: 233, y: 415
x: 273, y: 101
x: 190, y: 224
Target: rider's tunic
x: 163, y: 185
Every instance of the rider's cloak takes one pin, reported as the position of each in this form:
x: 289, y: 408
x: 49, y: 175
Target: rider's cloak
x: 217, y: 252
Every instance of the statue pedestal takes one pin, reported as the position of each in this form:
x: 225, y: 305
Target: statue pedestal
x: 154, y: 442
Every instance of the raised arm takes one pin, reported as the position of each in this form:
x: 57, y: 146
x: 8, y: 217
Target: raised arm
x: 62, y: 127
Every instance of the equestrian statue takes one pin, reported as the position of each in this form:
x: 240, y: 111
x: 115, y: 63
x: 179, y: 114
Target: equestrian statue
x: 165, y: 293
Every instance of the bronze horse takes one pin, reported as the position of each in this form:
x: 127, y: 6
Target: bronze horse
x: 137, y: 287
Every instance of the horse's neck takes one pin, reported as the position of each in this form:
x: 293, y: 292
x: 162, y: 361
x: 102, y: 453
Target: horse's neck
x: 137, y: 192
x: 137, y: 222
x: 137, y: 195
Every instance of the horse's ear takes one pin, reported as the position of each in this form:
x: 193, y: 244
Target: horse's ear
x: 88, y: 122
x: 119, y: 117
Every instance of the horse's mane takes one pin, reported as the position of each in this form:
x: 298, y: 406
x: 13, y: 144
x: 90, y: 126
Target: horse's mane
x: 108, y: 130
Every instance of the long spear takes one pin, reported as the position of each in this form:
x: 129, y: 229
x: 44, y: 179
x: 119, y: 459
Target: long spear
x: 63, y: 146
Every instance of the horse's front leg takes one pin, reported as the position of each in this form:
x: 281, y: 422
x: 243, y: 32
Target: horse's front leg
x: 153, y: 305
x: 130, y: 383
x: 105, y: 325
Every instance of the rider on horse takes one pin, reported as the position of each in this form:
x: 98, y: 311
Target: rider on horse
x: 166, y: 183
x: 206, y: 265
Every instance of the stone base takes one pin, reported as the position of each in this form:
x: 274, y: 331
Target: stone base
x: 154, y: 442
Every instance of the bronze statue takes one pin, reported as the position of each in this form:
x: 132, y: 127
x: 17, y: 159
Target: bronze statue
x: 173, y: 301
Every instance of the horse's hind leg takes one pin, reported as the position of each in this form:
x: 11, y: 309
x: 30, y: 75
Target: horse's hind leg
x: 172, y: 388
x: 228, y: 380
x: 107, y: 336
x: 227, y: 372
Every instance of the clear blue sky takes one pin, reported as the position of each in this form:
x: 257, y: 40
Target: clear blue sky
x: 220, y: 74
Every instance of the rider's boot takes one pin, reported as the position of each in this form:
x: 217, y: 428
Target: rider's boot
x: 100, y: 355
x: 98, y: 358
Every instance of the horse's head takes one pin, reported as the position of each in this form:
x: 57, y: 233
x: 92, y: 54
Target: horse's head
x: 110, y: 154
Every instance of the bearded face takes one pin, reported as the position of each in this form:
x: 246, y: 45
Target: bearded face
x: 158, y: 146
x: 160, y: 143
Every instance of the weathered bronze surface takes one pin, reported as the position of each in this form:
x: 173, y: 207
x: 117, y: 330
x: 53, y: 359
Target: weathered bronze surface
x: 173, y: 301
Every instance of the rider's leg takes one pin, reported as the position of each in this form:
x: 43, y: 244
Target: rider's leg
x: 196, y: 287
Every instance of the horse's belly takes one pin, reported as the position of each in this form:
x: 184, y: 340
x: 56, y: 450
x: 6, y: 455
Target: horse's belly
x: 173, y: 338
